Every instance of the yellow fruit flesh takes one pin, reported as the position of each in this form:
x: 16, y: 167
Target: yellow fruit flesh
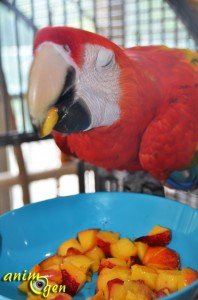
x: 49, y: 122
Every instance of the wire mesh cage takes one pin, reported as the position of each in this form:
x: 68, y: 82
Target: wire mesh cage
x: 126, y: 22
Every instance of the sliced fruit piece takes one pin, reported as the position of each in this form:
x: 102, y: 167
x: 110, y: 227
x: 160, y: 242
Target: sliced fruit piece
x: 105, y: 239
x: 81, y: 261
x: 24, y: 287
x: 188, y: 276
x: 87, y: 239
x: 73, y: 278
x: 140, y: 290
x: 95, y: 254
x: 50, y: 261
x: 162, y: 258
x: 168, y: 279
x: 70, y: 247
x: 110, y: 263
x: 116, y: 289
x: 52, y: 275
x: 141, y: 249
x: 147, y: 274
x: 158, y: 236
x: 121, y: 273
x: 123, y: 249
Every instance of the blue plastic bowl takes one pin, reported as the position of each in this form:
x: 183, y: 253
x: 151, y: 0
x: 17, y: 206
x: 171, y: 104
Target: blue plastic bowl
x: 32, y: 233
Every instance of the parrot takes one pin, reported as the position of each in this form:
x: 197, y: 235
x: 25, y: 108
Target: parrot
x: 132, y: 109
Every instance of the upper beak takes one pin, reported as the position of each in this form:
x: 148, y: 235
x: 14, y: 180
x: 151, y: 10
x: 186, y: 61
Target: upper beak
x: 52, y: 99
x: 46, y: 82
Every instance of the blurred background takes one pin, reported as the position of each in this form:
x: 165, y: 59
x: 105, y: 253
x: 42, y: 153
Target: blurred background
x: 32, y: 170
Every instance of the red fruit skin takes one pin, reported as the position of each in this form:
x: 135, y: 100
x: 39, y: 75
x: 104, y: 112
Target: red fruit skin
x: 111, y: 282
x: 133, y: 260
x: 159, y: 239
x: 162, y: 258
x: 70, y: 283
x: 108, y: 265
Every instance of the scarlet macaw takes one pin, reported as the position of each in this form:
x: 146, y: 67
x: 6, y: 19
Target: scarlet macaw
x: 125, y: 109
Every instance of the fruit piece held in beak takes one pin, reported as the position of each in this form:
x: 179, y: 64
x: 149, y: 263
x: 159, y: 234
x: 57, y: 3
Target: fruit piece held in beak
x: 49, y: 122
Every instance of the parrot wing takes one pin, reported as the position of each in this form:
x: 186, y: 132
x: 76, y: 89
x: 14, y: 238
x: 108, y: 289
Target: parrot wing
x: 170, y: 143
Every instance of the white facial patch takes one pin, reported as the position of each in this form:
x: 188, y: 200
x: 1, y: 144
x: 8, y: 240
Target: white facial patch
x: 98, y: 85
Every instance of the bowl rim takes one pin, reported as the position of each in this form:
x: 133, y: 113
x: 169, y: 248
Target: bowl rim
x: 140, y: 195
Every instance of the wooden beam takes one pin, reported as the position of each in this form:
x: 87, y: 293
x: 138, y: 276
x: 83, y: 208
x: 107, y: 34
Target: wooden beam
x: 7, y: 180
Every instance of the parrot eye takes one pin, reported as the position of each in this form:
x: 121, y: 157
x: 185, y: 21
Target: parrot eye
x: 66, y: 48
x: 105, y: 58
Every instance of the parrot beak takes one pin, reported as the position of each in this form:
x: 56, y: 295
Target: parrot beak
x: 52, y: 100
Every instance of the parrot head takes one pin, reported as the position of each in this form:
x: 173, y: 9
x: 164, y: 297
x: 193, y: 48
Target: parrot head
x: 73, y: 81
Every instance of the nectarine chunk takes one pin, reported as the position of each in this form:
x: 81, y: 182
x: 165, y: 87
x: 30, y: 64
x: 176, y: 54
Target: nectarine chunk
x: 131, y: 296
x: 147, y: 274
x: 105, y: 239
x: 168, y: 279
x: 24, y: 287
x: 139, y: 289
x: 87, y: 239
x: 95, y: 254
x: 50, y: 262
x: 52, y: 275
x: 116, y: 289
x: 188, y: 276
x: 158, y: 236
x: 82, y: 262
x: 106, y: 275
x: 36, y: 269
x: 141, y: 249
x: 157, y: 229
x: 110, y: 263
x: 123, y: 249
x: 73, y: 278
x: 162, y: 258
x: 162, y: 293
x: 65, y: 248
